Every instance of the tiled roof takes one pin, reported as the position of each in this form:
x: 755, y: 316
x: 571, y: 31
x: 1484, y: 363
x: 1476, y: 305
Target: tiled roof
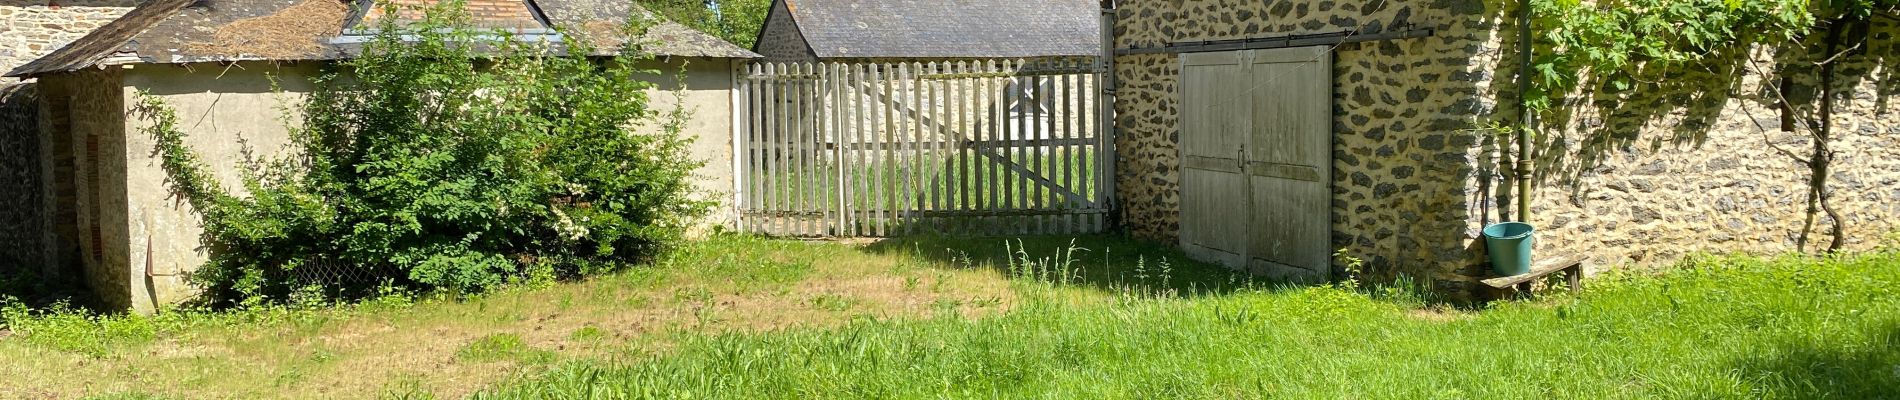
x: 184, y: 31
x: 948, y: 28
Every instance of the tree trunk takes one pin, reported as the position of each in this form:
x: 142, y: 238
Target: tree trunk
x: 1823, y: 159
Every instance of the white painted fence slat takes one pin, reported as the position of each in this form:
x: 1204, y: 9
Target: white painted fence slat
x: 774, y: 169
x: 888, y: 175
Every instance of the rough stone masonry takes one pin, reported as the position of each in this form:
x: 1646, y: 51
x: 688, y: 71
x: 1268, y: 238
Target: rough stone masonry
x: 31, y: 28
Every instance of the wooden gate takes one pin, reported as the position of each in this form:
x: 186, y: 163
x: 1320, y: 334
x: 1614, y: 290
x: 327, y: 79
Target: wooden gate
x: 973, y: 148
x: 1256, y: 149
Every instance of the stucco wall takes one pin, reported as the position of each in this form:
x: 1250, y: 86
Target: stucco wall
x: 707, y: 96
x: 1415, y: 176
x: 31, y: 28
x: 227, y: 115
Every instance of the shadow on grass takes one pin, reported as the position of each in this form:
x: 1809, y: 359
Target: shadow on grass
x: 1103, y: 262
x: 1824, y: 370
x: 28, y: 287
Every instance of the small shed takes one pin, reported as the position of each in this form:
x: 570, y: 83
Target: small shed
x: 221, y: 64
x: 909, y: 30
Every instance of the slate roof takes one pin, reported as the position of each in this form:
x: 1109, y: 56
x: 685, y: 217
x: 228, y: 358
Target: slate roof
x: 948, y: 28
x: 185, y: 31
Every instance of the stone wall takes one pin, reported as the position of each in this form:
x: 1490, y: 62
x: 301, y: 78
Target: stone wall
x: 85, y: 112
x: 780, y: 40
x: 1401, y: 164
x: 23, y: 213
x: 32, y: 28
x: 1416, y: 175
x: 1662, y: 177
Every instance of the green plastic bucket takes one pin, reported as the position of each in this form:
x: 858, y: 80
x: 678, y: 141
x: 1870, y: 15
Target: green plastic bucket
x: 1509, y: 244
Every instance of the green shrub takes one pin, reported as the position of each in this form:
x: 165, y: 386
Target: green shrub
x: 443, y: 158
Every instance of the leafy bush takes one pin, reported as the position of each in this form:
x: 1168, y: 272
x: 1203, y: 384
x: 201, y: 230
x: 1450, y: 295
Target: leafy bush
x: 445, y: 158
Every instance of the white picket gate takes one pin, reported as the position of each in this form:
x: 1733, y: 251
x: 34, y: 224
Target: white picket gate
x: 968, y: 148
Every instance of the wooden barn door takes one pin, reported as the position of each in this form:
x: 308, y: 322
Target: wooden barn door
x: 1256, y: 144
x: 1214, y: 131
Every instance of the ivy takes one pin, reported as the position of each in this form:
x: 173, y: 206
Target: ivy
x: 445, y: 158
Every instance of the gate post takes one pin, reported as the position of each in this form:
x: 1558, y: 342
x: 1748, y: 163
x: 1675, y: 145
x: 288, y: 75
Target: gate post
x: 1105, y: 115
x: 740, y: 96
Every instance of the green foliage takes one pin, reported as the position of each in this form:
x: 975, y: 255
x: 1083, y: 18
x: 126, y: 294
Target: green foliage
x: 736, y: 21
x: 72, y: 329
x: 1618, y: 44
x: 1611, y: 42
x: 445, y: 158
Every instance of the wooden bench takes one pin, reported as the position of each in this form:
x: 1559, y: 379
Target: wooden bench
x: 1520, y: 285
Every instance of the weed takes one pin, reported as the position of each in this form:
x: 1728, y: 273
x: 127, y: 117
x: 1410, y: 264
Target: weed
x: 833, y: 302
x: 947, y: 307
x: 502, y: 347
x: 587, y: 333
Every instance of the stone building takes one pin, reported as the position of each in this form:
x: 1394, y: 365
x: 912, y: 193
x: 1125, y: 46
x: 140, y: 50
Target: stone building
x: 1407, y: 171
x: 32, y: 28
x: 892, y: 30
x: 229, y: 67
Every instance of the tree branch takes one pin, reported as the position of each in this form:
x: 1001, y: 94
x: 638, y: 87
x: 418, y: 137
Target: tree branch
x: 1767, y: 79
x: 1766, y: 139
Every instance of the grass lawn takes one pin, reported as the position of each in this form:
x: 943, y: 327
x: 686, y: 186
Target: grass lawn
x: 738, y: 317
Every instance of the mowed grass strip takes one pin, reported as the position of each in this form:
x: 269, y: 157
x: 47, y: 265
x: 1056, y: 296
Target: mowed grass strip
x: 1716, y: 327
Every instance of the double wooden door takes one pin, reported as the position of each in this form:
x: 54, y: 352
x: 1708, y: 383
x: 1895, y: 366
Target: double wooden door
x: 1256, y: 151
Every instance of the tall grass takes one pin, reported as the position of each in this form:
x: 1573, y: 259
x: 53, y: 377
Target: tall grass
x: 1717, y: 327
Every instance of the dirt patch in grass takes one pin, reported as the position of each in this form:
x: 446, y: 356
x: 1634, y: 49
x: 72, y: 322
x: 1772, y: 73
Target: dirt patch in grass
x: 749, y: 285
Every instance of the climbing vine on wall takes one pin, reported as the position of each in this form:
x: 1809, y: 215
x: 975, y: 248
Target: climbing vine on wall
x: 1616, y: 43
x: 1605, y: 49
